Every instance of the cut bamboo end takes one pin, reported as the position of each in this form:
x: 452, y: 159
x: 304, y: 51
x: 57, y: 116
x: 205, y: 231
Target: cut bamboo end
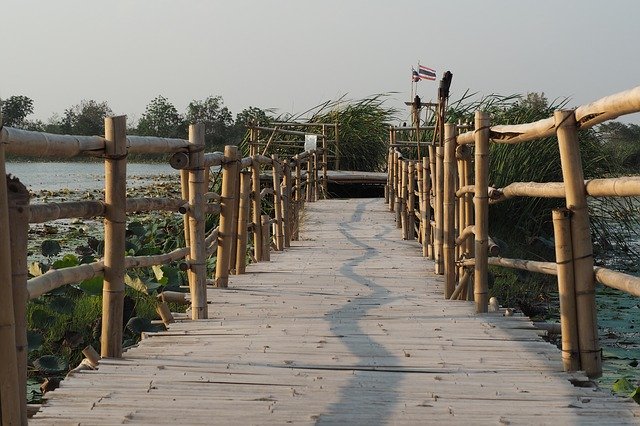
x: 165, y: 313
x: 92, y: 356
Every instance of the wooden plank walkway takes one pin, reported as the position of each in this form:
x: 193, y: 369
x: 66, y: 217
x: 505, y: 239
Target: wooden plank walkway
x: 347, y: 326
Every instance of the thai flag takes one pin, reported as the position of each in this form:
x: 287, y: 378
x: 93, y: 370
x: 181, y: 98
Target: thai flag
x: 415, y: 77
x: 426, y: 73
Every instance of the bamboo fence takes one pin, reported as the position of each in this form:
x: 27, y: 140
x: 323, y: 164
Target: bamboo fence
x: 239, y: 206
x: 453, y: 215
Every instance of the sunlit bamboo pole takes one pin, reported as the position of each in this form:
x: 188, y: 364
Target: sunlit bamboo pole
x: 439, y: 213
x: 286, y: 202
x: 19, y: 220
x: 227, y: 214
x: 449, y: 206
x: 243, y: 222
x: 481, y: 203
x: 421, y: 209
x: 196, y: 217
x: 576, y: 201
x: 256, y: 210
x: 427, y: 246
x: 397, y: 205
x: 184, y: 190
x: 566, y: 289
x: 277, y: 203
x: 266, y: 237
x: 404, y: 217
x: 11, y: 410
x: 115, y: 223
x: 410, y: 200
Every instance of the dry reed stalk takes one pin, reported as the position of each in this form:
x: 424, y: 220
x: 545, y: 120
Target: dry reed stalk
x: 115, y: 223
x: 227, y: 214
x: 481, y: 203
x: 576, y: 201
x: 566, y: 289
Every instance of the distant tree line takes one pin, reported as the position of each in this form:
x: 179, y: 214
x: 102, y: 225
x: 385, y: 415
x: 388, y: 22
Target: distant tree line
x: 160, y: 118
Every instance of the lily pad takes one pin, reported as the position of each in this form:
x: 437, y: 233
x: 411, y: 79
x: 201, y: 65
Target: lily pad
x: 50, y: 364
x: 41, y: 319
x: 140, y: 325
x: 92, y: 286
x: 34, y: 340
x: 626, y: 388
x: 67, y: 261
x: 50, y: 248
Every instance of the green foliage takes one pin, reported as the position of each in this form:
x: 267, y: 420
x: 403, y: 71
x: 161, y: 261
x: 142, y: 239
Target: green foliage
x: 528, y: 292
x: 625, y: 388
x: 15, y: 109
x: 162, y: 119
x: 85, y: 118
x: 217, y: 119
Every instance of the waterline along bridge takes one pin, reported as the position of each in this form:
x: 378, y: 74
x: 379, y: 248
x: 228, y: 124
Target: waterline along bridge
x: 355, y: 311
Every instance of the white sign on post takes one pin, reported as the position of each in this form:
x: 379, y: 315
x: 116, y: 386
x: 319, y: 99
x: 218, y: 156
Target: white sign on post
x: 310, y: 142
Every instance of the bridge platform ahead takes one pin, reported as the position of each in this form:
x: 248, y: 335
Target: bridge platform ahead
x: 348, y: 326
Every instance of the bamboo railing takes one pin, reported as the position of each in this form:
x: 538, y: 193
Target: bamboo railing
x: 453, y: 205
x: 239, y: 205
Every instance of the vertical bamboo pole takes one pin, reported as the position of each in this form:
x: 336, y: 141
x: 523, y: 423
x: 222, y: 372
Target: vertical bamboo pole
x: 196, y: 218
x: 295, y: 235
x: 420, y: 183
x: 397, y: 204
x: 566, y: 289
x: 576, y: 200
x: 386, y: 186
x: 309, y: 178
x: 12, y: 410
x: 403, y: 200
x: 411, y: 197
x: 449, y: 206
x: 228, y: 221
x: 439, y: 213
x: 243, y: 222
x: 481, y: 202
x: 115, y: 223
x: 427, y: 247
x: 256, y: 208
x: 277, y: 203
x: 19, y: 236
x: 325, y: 162
x: 316, y: 187
x: 184, y: 189
x: 392, y: 189
x: 286, y: 202
x: 337, y: 143
x: 253, y: 143
x: 266, y: 237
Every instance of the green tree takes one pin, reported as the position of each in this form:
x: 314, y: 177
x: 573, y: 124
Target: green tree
x: 247, y: 116
x: 15, y: 109
x: 85, y: 118
x: 162, y: 119
x: 216, y: 117
x: 621, y: 142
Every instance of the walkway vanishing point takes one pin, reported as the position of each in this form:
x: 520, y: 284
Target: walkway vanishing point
x: 348, y: 326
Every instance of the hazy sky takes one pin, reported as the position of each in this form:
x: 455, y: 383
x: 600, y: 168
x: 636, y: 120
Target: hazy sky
x: 292, y: 55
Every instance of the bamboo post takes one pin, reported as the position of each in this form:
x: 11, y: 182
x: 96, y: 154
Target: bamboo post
x: 325, y: 161
x: 403, y: 199
x: 243, y: 222
x: 197, y: 272
x: 420, y: 183
x: 566, y: 289
x: 266, y: 237
x: 481, y: 202
x: 411, y: 169
x: 253, y: 142
x: 392, y: 181
x: 439, y: 213
x: 388, y: 197
x: 228, y: 197
x: 13, y: 409
x: 115, y: 223
x: 337, y: 145
x: 277, y: 203
x: 398, y: 190
x: 184, y: 190
x: 286, y: 202
x: 449, y: 206
x: 19, y: 219
x: 427, y: 247
x: 256, y: 210
x: 295, y: 234
x: 309, y: 178
x: 316, y: 187
x: 576, y: 201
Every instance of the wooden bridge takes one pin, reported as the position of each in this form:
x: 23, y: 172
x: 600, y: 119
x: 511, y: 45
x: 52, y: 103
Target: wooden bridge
x: 345, y: 321
x: 347, y: 326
